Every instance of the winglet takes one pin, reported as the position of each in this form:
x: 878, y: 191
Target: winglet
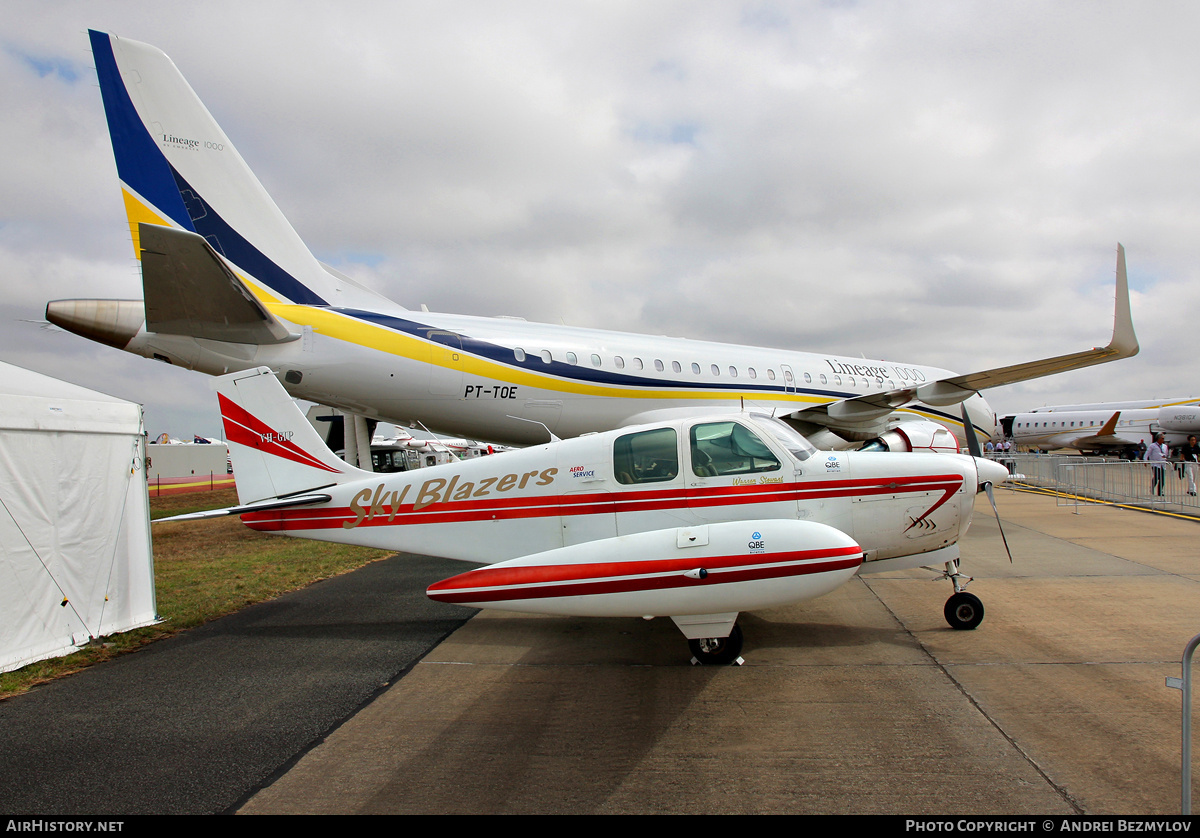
x: 1123, y: 345
x: 1124, y: 341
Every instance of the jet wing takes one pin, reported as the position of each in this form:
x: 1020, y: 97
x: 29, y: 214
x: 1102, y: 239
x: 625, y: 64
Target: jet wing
x: 947, y: 391
x: 189, y: 290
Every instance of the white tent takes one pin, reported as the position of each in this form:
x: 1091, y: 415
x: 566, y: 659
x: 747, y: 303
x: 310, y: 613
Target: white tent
x: 75, y: 557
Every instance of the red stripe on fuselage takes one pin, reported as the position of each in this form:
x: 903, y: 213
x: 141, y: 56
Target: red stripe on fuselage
x: 598, y: 503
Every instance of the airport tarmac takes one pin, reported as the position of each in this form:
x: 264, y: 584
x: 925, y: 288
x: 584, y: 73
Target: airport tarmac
x: 863, y: 701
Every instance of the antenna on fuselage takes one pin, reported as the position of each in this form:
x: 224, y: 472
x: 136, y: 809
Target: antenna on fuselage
x: 553, y: 438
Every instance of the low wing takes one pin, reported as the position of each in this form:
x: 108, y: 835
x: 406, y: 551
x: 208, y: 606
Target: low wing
x: 958, y: 388
x: 1106, y: 437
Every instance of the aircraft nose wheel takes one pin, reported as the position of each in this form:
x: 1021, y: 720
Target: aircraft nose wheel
x: 963, y: 611
x: 717, y: 651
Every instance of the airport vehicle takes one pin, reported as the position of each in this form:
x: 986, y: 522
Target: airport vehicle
x: 1104, y: 428
x: 228, y: 285
x: 696, y: 518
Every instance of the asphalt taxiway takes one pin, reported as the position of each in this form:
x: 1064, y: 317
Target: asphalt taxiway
x: 341, y: 699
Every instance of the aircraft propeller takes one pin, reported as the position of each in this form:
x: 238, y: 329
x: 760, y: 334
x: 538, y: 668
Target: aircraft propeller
x: 973, y: 447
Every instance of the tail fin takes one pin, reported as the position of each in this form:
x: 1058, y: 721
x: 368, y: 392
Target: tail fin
x: 178, y: 169
x: 275, y: 451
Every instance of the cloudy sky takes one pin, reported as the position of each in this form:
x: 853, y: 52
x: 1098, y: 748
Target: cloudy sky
x: 935, y: 182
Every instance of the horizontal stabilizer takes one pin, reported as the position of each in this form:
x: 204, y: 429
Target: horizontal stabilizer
x: 189, y: 290
x: 281, y: 503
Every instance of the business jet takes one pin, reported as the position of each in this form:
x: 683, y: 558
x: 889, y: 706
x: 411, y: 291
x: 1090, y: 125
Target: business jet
x: 696, y: 518
x: 1103, y: 428
x: 228, y: 285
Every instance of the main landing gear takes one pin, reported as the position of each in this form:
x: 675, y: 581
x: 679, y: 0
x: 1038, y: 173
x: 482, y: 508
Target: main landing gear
x: 717, y: 651
x: 963, y: 611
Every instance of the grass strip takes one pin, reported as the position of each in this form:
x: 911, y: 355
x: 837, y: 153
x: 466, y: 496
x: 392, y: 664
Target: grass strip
x: 204, y: 570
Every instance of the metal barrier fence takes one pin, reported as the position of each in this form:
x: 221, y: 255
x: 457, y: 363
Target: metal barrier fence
x: 1102, y: 478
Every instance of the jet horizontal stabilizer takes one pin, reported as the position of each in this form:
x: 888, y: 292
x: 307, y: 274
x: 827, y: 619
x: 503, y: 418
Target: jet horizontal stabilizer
x: 189, y: 290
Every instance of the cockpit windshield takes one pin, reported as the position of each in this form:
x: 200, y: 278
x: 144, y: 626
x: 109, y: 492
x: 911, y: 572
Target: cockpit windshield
x: 785, y: 435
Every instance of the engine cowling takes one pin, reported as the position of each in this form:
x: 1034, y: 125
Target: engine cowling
x: 1185, y: 418
x: 915, y: 436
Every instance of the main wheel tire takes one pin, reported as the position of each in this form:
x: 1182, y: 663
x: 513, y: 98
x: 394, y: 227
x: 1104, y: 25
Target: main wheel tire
x: 718, y: 651
x: 963, y: 611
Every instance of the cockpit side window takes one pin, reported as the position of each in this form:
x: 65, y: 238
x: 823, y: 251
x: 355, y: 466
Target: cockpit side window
x: 646, y: 457
x: 720, y: 448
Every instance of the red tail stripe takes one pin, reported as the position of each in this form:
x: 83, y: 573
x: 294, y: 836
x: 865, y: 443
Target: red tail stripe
x: 243, y: 428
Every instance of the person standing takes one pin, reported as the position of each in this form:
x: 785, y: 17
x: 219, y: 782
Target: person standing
x: 1191, y: 462
x: 1156, y: 454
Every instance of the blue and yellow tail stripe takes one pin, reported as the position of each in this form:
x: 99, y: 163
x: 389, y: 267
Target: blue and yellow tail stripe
x: 163, y: 194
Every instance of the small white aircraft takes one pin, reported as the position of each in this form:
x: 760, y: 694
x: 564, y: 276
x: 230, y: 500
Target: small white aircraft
x: 1104, y: 427
x: 228, y: 285
x: 696, y: 519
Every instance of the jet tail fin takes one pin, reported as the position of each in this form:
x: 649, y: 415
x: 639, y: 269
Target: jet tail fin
x: 276, y: 453
x: 179, y: 170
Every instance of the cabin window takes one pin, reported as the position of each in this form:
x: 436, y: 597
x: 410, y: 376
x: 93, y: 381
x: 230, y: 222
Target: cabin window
x: 733, y: 372
x: 824, y: 380
x: 519, y: 353
x: 546, y: 357
x: 595, y: 360
x: 771, y: 374
x: 658, y: 365
x: 572, y: 358
x: 787, y: 376
x: 619, y: 362
x: 695, y: 369
x: 837, y: 380
x: 646, y: 457
x: 807, y: 378
x: 715, y: 370
x: 752, y: 373
x: 720, y: 448
x: 637, y: 363
x: 675, y: 367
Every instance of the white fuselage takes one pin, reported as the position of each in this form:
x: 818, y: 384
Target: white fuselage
x: 1049, y: 429
x: 898, y: 508
x: 471, y: 375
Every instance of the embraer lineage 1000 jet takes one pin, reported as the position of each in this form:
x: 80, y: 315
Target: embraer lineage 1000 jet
x: 228, y: 285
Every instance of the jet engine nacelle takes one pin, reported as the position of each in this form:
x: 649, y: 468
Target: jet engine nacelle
x: 916, y: 436
x: 709, y: 569
x: 1185, y: 418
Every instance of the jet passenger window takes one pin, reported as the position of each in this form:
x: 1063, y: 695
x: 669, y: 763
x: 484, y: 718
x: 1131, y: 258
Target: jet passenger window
x: 646, y: 457
x: 720, y: 448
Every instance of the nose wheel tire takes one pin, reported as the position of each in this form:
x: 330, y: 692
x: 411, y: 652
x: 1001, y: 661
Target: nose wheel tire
x: 718, y: 651
x: 963, y: 611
